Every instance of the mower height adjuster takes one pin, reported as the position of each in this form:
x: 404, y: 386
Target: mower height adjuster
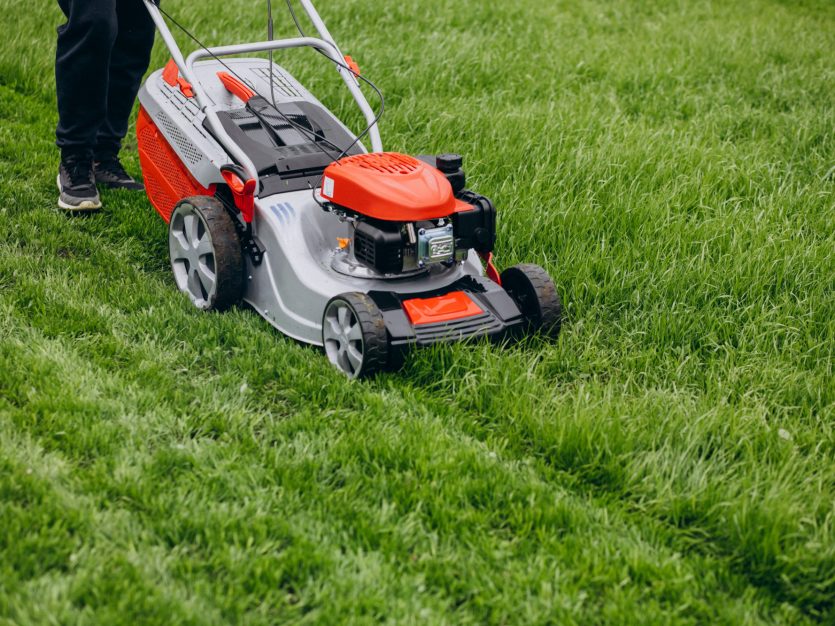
x: 243, y: 189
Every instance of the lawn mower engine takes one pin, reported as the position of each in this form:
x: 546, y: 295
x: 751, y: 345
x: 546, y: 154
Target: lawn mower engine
x: 409, y: 214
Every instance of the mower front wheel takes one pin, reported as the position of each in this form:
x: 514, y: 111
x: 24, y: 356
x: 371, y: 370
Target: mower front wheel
x: 354, y: 335
x: 206, y: 253
x: 535, y: 294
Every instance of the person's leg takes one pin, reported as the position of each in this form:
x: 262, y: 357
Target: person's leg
x: 82, y: 61
x: 82, y: 65
x: 128, y: 63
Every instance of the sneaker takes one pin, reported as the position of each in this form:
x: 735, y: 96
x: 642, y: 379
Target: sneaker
x: 110, y: 173
x: 77, y: 187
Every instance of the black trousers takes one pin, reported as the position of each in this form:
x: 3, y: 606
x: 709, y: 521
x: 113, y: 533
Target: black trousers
x: 103, y: 52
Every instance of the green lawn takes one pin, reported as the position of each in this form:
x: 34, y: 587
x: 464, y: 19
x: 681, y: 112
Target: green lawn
x: 670, y: 460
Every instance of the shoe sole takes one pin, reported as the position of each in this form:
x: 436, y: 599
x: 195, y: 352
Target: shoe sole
x: 85, y: 206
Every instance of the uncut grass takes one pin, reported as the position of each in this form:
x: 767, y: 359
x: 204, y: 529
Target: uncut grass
x: 669, y: 459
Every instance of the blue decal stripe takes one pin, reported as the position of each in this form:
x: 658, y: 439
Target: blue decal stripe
x: 283, y: 211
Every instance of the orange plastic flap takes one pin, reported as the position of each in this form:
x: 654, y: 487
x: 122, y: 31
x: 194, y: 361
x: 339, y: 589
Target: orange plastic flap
x: 445, y: 308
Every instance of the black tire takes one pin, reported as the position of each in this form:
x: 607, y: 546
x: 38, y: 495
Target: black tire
x: 221, y: 259
x: 342, y: 343
x: 534, y: 293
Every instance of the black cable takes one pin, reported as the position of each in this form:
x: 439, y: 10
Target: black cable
x: 316, y: 139
x: 355, y: 74
x: 295, y: 19
x: 311, y: 134
x: 270, y: 33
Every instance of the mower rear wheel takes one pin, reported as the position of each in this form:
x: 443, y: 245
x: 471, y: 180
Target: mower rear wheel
x: 354, y: 335
x: 206, y: 253
x: 534, y: 293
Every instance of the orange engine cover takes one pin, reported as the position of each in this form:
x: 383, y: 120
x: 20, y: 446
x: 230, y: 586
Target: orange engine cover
x: 390, y: 186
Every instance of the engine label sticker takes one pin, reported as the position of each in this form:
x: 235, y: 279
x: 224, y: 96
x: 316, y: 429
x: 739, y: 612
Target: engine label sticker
x: 327, y: 187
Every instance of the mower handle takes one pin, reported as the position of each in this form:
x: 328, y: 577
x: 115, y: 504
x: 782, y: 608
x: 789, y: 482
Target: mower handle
x: 326, y: 44
x: 328, y: 48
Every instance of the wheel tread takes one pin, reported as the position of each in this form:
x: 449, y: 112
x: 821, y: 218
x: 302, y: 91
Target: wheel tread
x: 229, y: 264
x: 549, y: 316
x: 373, y: 326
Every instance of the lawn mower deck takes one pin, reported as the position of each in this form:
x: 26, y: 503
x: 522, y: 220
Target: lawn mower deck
x: 272, y: 200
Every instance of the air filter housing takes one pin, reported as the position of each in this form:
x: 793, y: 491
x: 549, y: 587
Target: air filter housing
x: 379, y: 245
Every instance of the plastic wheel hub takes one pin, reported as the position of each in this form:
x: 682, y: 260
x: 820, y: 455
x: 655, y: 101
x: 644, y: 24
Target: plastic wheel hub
x: 192, y: 255
x: 342, y: 337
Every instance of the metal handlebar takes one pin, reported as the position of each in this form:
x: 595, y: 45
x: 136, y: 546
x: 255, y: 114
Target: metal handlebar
x: 326, y: 44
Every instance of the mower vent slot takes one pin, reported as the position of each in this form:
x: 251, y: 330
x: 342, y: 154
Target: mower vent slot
x: 150, y: 143
x: 364, y: 250
x: 278, y: 122
x: 475, y: 326
x: 167, y: 181
x: 281, y: 122
x: 186, y: 106
x: 279, y: 81
x: 187, y: 149
x: 384, y: 163
x: 302, y: 148
x: 366, y: 253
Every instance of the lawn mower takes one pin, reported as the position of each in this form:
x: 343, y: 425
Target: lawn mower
x: 273, y: 201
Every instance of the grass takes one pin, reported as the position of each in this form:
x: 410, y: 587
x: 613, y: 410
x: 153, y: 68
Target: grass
x: 670, y: 460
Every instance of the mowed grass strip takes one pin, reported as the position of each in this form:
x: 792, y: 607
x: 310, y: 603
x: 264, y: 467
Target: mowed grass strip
x: 669, y: 460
